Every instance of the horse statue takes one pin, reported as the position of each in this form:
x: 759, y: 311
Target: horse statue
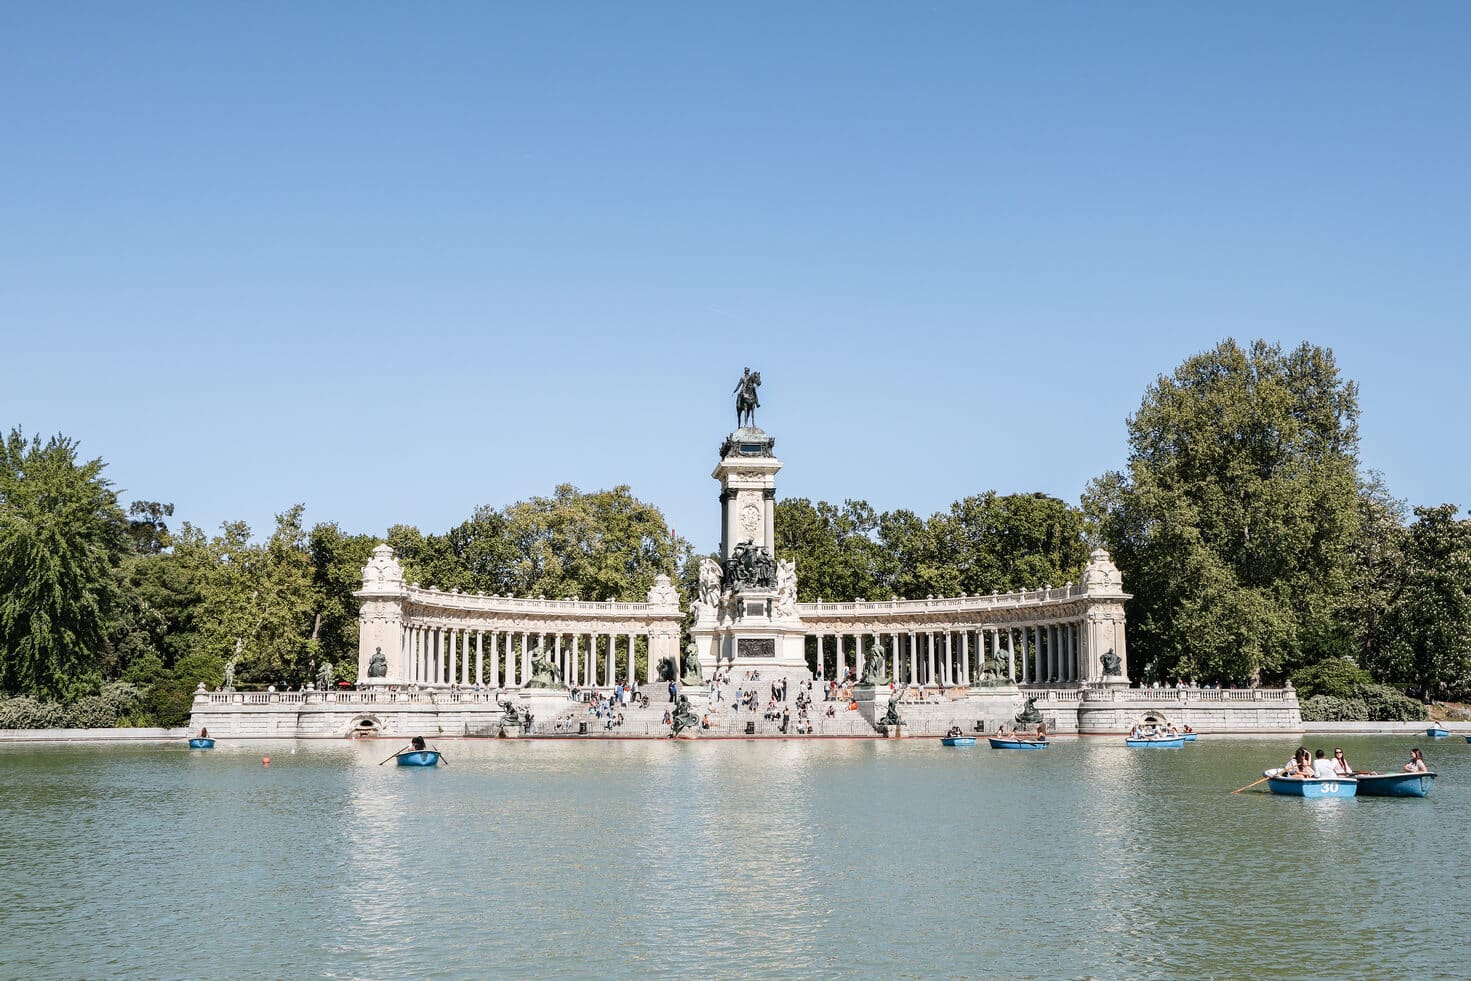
x: 747, y: 401
x: 1112, y: 664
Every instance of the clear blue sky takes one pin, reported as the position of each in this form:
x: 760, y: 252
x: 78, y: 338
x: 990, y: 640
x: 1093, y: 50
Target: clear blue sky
x: 398, y: 260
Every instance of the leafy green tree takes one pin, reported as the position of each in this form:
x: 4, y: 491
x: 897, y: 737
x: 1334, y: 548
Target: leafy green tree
x: 1365, y: 616
x: 1430, y: 633
x: 256, y: 600
x: 62, y: 537
x: 1234, y: 520
x: 596, y: 546
x: 337, y: 561
x: 915, y: 559
x: 837, y: 555
x: 1011, y: 542
x: 147, y: 526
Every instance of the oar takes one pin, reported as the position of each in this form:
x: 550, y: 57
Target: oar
x: 394, y: 756
x: 1250, y: 785
x: 441, y: 755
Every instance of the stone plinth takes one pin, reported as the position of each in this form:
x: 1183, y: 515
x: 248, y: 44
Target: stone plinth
x: 544, y: 704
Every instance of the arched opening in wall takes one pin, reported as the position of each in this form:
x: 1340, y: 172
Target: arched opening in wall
x: 1153, y: 719
x: 364, y: 725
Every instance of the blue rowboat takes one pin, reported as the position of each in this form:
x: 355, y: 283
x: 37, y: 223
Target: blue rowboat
x: 1189, y: 737
x: 422, y: 757
x: 1311, y: 787
x: 1395, y: 784
x: 1156, y: 742
x: 1436, y: 732
x: 197, y: 743
x: 1016, y: 743
x: 958, y: 740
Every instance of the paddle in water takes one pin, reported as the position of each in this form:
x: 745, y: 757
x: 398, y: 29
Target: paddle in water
x: 1250, y: 785
x: 395, y: 755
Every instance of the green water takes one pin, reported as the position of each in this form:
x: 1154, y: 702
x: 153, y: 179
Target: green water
x: 901, y: 859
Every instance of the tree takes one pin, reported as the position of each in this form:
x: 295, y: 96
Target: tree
x: 1012, y: 542
x: 596, y: 546
x: 836, y: 554
x: 1430, y: 620
x: 337, y: 562
x: 256, y: 600
x: 1364, y: 621
x: 1233, y: 522
x: 147, y: 527
x: 62, y: 536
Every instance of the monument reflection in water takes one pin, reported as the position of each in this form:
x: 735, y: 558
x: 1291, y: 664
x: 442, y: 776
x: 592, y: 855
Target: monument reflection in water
x: 635, y: 859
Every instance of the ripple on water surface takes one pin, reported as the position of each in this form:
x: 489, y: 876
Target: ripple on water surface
x: 757, y: 859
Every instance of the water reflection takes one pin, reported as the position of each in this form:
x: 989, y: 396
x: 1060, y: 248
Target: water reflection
x: 761, y: 859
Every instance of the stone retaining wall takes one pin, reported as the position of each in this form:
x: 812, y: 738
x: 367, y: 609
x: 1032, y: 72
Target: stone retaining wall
x: 92, y: 735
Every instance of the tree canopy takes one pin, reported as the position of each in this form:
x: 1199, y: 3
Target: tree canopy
x: 986, y: 542
x: 62, y: 539
x: 1234, y: 518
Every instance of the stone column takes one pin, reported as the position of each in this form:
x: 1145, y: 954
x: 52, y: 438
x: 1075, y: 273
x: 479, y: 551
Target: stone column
x: 768, y: 508
x: 965, y: 658
x: 858, y: 654
x: 494, y: 680
x: 510, y: 680
x: 950, y: 674
x: 628, y: 678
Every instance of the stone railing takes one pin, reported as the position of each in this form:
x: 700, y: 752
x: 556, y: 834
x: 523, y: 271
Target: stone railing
x: 949, y: 604
x: 453, y: 599
x: 1188, y: 694
x: 369, y: 697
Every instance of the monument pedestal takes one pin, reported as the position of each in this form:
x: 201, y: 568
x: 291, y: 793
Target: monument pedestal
x: 747, y: 616
x: 544, y: 704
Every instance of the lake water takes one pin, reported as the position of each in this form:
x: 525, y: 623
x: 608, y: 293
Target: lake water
x: 767, y: 859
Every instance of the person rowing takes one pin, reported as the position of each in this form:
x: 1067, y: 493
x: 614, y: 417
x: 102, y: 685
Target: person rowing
x: 417, y: 743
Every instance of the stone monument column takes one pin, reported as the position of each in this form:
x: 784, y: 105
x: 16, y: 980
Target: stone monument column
x: 381, y: 621
x: 1104, y: 656
x: 746, y: 613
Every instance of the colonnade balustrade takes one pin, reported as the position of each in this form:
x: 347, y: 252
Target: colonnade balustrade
x: 1030, y: 654
x: 437, y: 655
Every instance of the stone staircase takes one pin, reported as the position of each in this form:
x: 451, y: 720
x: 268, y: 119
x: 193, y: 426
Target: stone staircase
x: 931, y: 717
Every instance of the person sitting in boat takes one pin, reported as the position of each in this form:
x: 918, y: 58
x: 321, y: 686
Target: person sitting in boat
x: 417, y: 743
x: 1299, y: 766
x: 1041, y: 732
x: 203, y: 733
x: 1417, y: 762
x: 1341, y: 765
x: 1323, y: 767
x: 1187, y: 730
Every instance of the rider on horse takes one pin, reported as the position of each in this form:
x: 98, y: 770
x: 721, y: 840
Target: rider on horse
x: 746, y: 401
